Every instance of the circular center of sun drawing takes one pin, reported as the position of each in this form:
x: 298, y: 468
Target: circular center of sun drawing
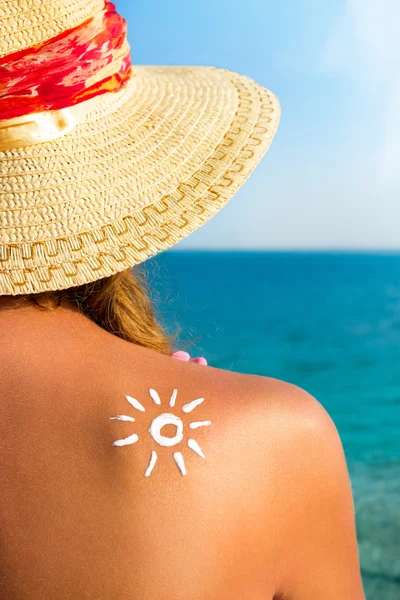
x: 161, y: 421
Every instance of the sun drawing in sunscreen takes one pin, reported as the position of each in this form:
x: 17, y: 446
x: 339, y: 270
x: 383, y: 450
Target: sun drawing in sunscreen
x: 166, y: 418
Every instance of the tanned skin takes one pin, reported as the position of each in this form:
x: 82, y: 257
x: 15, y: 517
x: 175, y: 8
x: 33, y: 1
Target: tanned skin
x: 268, y: 515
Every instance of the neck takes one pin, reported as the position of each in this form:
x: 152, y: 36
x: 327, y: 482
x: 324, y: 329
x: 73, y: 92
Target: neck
x: 13, y: 305
x: 25, y: 324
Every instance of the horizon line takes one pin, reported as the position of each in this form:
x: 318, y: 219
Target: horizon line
x: 291, y: 250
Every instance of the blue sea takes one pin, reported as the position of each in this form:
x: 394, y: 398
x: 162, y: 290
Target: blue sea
x: 328, y: 322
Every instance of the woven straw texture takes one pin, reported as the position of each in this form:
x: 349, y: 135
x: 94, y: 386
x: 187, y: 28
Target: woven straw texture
x: 146, y: 167
x: 26, y: 23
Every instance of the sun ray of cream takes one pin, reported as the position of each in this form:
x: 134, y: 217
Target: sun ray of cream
x: 196, y: 424
x: 132, y: 439
x: 152, y: 462
x: 173, y: 398
x: 122, y: 418
x: 193, y: 445
x: 135, y: 403
x: 180, y: 462
x: 155, y: 396
x: 187, y: 408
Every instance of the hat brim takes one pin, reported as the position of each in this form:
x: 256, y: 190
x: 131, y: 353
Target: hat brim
x: 143, y: 170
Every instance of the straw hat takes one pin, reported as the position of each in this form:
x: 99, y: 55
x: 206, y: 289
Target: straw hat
x: 104, y: 164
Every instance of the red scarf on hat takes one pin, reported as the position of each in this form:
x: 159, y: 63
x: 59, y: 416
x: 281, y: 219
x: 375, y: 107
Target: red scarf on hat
x: 76, y: 65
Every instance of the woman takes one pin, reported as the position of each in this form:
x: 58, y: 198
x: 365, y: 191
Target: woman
x: 126, y: 473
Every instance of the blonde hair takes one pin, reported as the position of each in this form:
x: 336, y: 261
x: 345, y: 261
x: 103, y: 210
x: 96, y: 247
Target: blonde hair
x: 120, y: 304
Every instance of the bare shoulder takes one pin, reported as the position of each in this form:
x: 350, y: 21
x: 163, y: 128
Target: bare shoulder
x: 298, y: 466
x: 293, y: 417
x: 281, y: 428
x: 278, y: 443
x: 261, y: 411
x: 267, y: 432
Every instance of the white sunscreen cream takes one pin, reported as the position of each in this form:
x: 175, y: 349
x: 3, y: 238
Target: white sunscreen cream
x: 156, y: 427
x: 135, y: 403
x: 155, y: 397
x: 197, y: 424
x: 193, y: 445
x: 152, y: 462
x: 180, y: 462
x: 122, y: 418
x: 159, y: 422
x: 132, y: 439
x: 173, y: 398
x: 187, y: 408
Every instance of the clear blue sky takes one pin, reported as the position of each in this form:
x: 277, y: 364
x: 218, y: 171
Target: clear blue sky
x: 331, y: 178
